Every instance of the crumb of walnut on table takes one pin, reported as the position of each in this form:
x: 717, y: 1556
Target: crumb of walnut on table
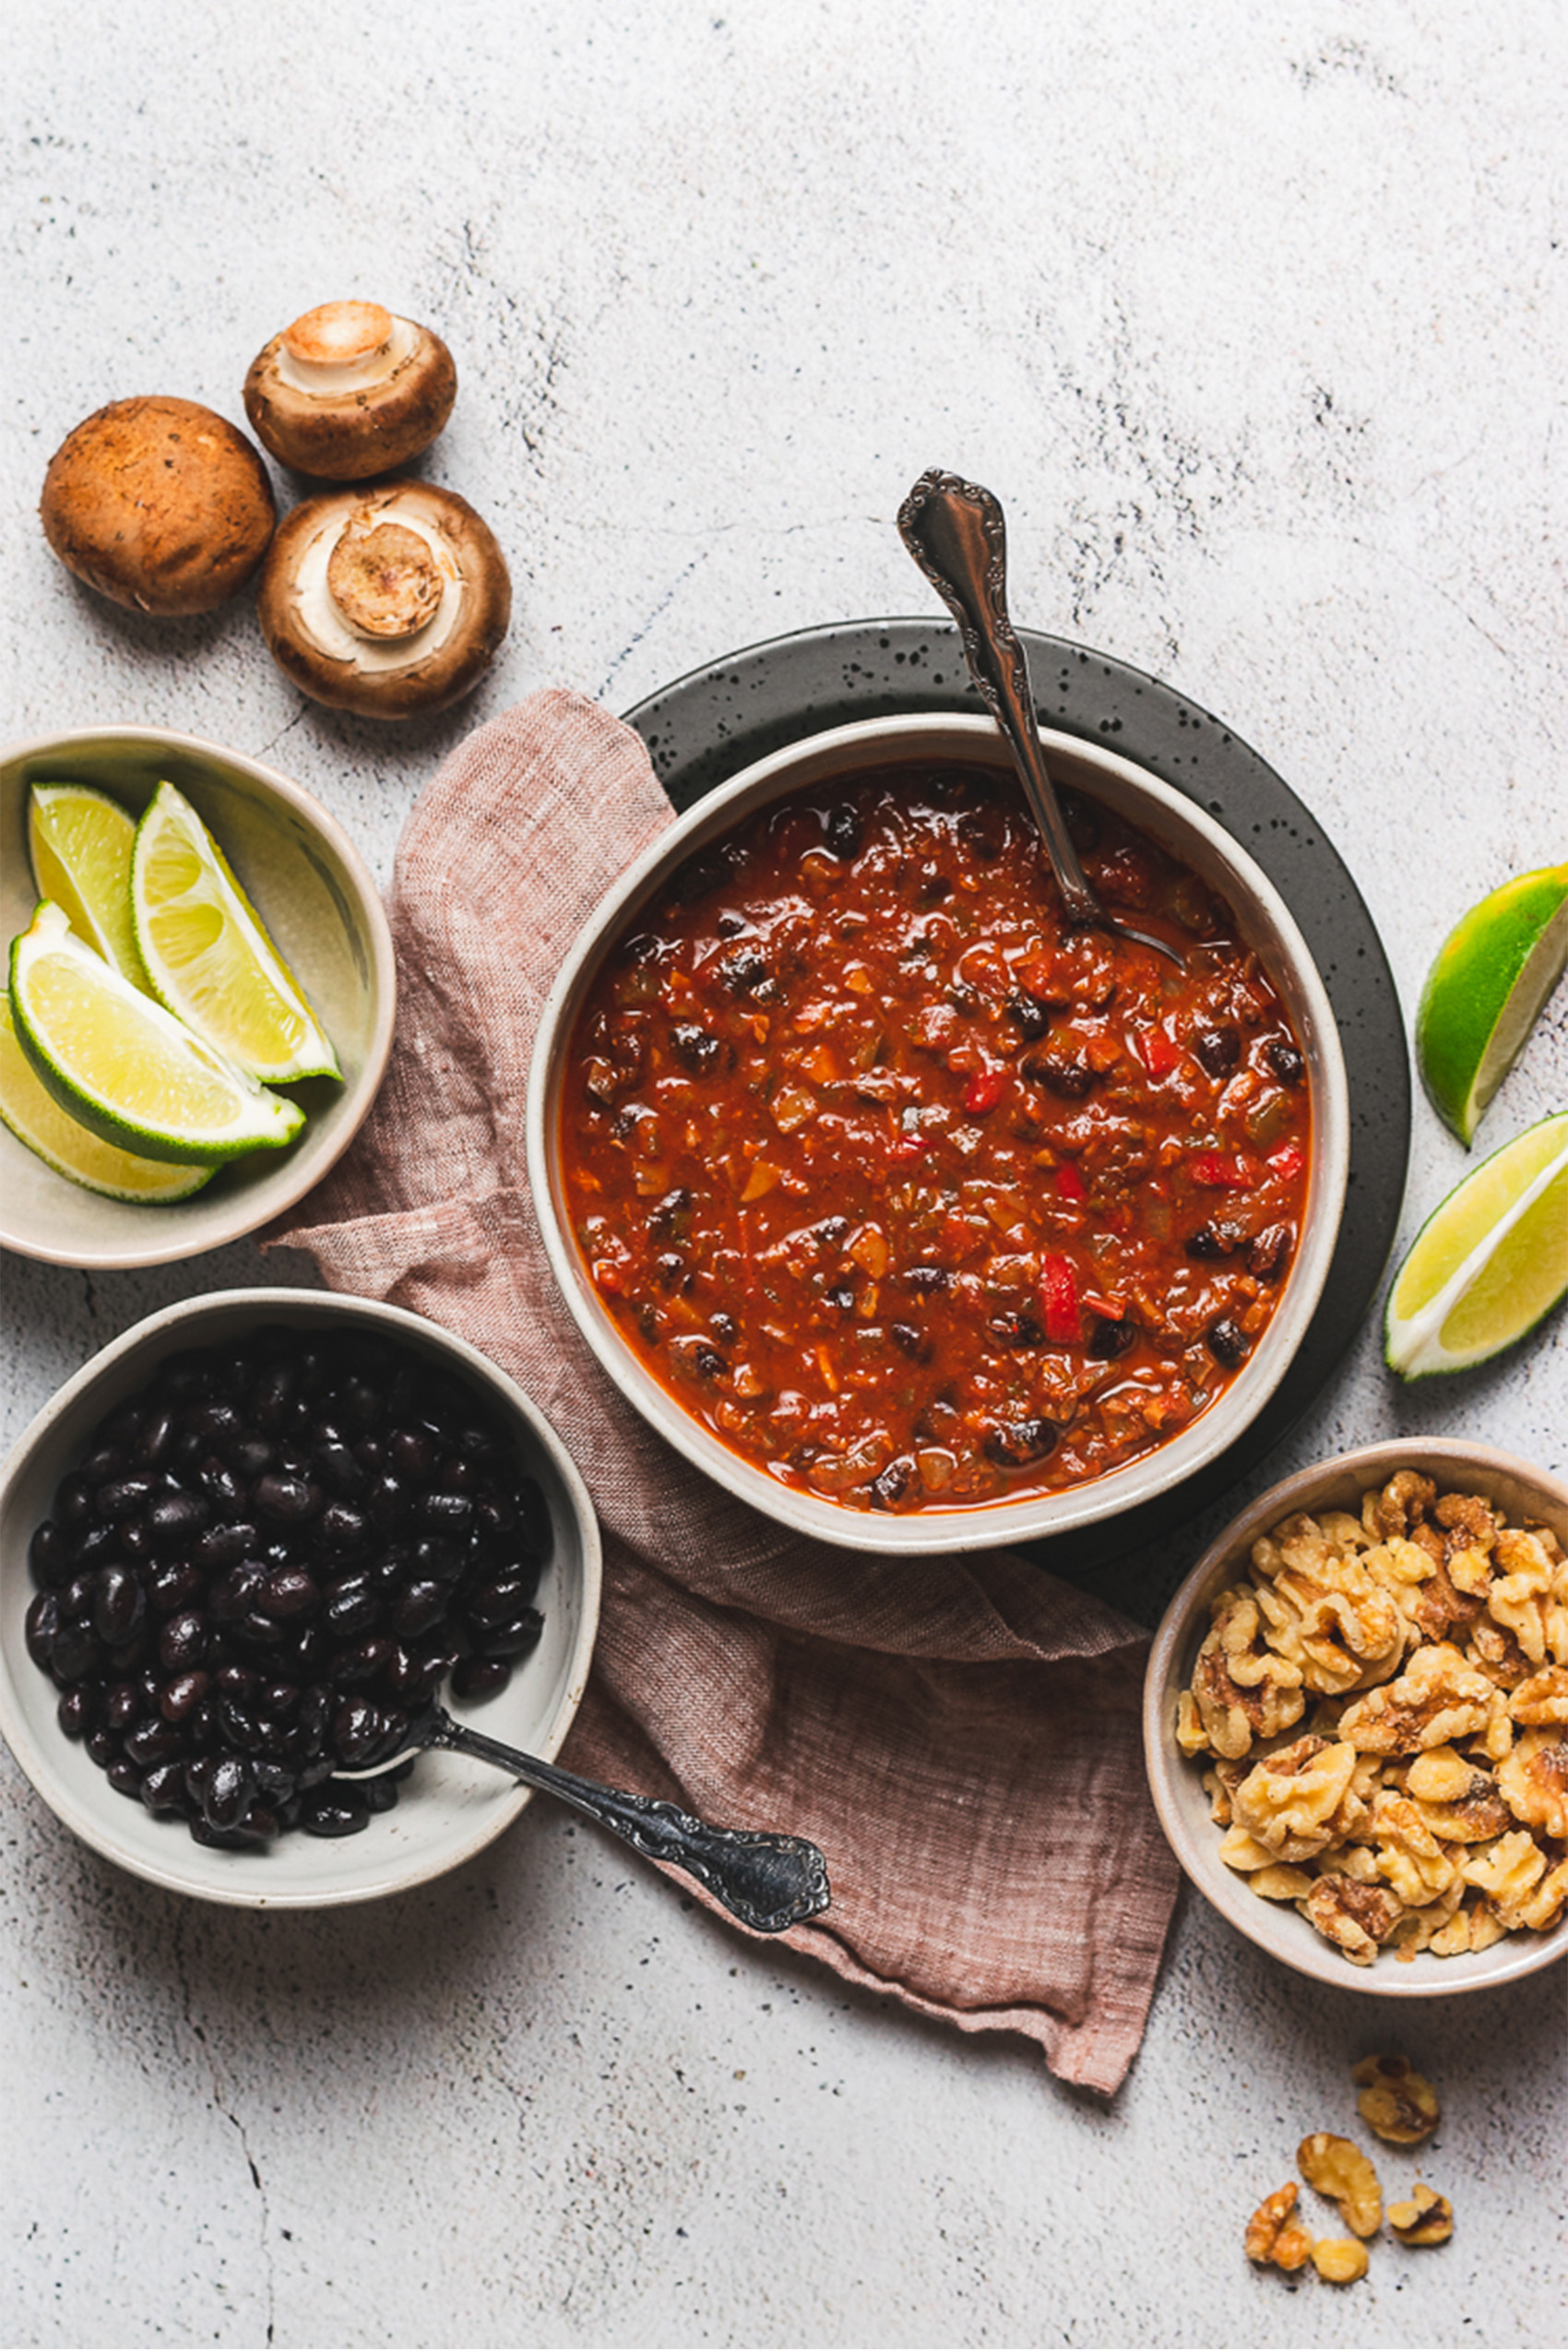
x: 1341, y: 2261
x: 1424, y: 2218
x: 1382, y: 1707
x: 1396, y: 2102
x: 1274, y: 2237
x: 1342, y: 2172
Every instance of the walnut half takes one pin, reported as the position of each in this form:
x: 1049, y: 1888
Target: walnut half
x: 1337, y: 2169
x: 1396, y: 2102
x: 1272, y: 2237
x: 1422, y: 2219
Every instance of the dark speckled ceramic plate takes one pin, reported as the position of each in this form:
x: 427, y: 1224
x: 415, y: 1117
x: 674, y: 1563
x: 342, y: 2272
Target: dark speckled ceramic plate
x: 706, y: 727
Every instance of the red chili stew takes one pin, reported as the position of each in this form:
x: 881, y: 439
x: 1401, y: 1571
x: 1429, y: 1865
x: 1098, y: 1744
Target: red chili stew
x: 914, y: 1196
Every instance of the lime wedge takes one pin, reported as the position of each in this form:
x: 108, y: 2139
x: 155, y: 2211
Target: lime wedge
x: 207, y: 955
x: 1488, y: 1265
x: 80, y: 844
x: 1483, y: 996
x: 36, y: 1118
x: 129, y: 1071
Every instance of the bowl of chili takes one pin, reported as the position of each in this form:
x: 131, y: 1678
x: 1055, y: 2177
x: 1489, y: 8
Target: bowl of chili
x: 911, y: 1216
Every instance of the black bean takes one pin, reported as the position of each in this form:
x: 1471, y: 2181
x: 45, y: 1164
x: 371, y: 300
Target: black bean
x: 49, y: 1554
x: 122, y: 1706
x: 103, y: 1745
x: 75, y: 1654
x: 844, y: 829
x: 1059, y: 1075
x: 249, y: 1455
x: 480, y: 1678
x: 289, y: 1593
x: 334, y: 1812
x: 124, y: 1777
x: 215, y: 1423
x: 350, y: 1607
x: 357, y: 1728
x: 1212, y: 1242
x: 229, y: 1790
x: 122, y: 1498
x: 105, y: 1462
x: 236, y: 1592
x: 1271, y: 1252
x: 1219, y: 1049
x: 136, y: 1541
x: 889, y: 1487
x: 164, y: 1788
x: 1285, y: 1062
x: 360, y: 1662
x: 183, y: 1642
x: 1030, y: 1014
x: 513, y: 1640
x: 220, y: 1547
x: 73, y: 1501
x: 1227, y: 1342
x: 499, y: 1600
x: 41, y: 1625
x: 119, y: 1612
x: 1111, y: 1336
x: 155, y: 1438
x: 343, y: 1530
x: 334, y: 1465
x: 152, y: 1741
x: 413, y: 1455
x: 927, y: 1278
x: 241, y: 1724
x: 263, y: 1631
x: 452, y: 1514
x: 1018, y: 1330
x: 221, y: 1486
x: 174, y: 1521
x: 183, y: 1694
x: 1014, y: 1445
x: 285, y: 1499
x: 78, y: 1710
x: 96, y: 1544
x: 380, y: 1794
x: 421, y: 1605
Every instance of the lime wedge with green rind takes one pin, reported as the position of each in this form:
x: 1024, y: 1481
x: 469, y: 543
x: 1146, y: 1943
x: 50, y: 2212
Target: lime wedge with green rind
x: 1484, y: 994
x: 80, y: 844
x: 131, y: 1073
x: 62, y: 1142
x: 1488, y: 1263
x: 208, y: 955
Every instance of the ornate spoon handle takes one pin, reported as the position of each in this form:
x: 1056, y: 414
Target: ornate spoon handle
x: 955, y: 533
x: 768, y: 1881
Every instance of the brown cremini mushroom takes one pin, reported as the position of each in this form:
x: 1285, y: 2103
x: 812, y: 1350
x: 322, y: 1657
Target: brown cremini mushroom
x: 350, y: 390
x: 159, y: 503
x: 387, y: 602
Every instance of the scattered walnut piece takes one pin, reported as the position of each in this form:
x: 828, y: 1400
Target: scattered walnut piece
x: 1337, y: 2169
x: 1272, y: 2237
x: 1396, y: 2102
x: 1422, y: 2219
x: 1340, y: 2260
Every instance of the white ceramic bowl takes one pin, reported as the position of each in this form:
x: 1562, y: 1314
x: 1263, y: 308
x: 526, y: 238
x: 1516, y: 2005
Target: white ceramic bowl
x: 1177, y: 1782
x: 1192, y: 836
x: 451, y: 1806
x: 316, y: 897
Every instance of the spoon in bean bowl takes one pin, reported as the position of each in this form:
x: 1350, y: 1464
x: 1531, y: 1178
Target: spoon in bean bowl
x: 766, y: 1878
x: 958, y: 535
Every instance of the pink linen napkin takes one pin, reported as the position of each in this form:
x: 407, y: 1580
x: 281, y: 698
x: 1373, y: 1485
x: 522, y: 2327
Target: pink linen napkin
x: 961, y: 1737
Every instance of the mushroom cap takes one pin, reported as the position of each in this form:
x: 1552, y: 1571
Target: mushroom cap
x: 342, y: 568
x: 349, y: 390
x: 159, y: 503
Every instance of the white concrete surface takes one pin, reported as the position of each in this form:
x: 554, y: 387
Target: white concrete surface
x: 1254, y: 315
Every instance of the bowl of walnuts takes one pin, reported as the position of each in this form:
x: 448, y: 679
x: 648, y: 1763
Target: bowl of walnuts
x: 1356, y: 1720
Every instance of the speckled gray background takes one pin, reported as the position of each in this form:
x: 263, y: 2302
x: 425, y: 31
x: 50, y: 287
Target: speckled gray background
x: 1254, y: 316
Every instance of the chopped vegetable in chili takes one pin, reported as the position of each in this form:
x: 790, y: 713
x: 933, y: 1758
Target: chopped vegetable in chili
x: 913, y: 1196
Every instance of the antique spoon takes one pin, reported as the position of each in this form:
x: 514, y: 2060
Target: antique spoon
x: 766, y: 1879
x: 955, y: 533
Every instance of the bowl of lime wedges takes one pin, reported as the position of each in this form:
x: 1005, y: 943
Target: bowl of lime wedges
x: 198, y: 1000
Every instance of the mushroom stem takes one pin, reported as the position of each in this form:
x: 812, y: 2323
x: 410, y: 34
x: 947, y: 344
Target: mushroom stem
x: 383, y: 578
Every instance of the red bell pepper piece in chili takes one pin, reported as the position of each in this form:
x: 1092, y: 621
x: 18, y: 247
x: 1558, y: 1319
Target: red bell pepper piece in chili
x: 984, y: 1091
x: 1070, y: 1185
x: 1227, y: 1171
x: 1288, y: 1161
x: 1058, y: 1301
x: 1159, y: 1053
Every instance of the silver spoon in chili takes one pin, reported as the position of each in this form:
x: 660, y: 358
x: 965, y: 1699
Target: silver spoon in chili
x: 957, y: 534
x: 764, y: 1878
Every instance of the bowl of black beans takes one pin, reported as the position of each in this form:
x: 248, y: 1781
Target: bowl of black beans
x: 241, y: 1550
